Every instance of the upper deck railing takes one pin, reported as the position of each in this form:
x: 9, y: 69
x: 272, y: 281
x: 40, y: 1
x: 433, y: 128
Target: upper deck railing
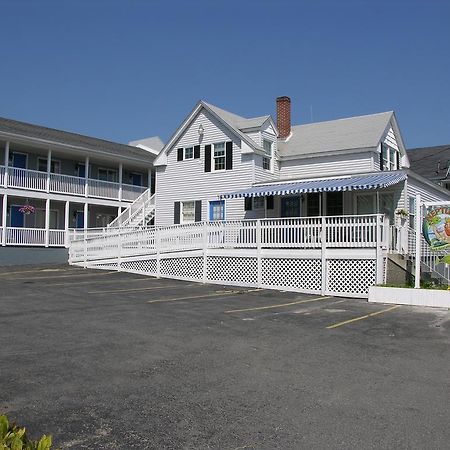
x: 35, y: 180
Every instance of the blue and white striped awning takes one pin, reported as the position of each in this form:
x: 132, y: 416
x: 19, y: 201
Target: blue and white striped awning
x: 359, y: 182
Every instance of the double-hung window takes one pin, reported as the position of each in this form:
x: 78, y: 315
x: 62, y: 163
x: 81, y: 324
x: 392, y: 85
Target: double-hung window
x: 188, y: 212
x: 55, y: 166
x: 219, y: 156
x: 389, y: 156
x: 188, y: 152
x: 107, y: 174
x: 267, y: 159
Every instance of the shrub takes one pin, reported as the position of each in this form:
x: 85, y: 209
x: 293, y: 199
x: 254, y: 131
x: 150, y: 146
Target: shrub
x: 14, y: 438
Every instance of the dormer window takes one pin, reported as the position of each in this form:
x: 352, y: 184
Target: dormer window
x: 390, y: 158
x: 267, y: 159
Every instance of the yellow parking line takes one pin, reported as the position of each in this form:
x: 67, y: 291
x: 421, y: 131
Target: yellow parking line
x: 117, y: 291
x: 345, y: 322
x: 308, y: 300
x: 219, y: 294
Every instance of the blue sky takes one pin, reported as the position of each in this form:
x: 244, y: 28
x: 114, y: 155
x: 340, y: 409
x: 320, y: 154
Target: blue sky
x: 124, y: 70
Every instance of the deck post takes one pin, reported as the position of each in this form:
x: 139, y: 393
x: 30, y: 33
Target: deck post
x: 49, y: 168
x: 120, y: 181
x: 4, y: 216
x: 47, y: 222
x: 379, y: 247
x: 6, y: 164
x: 323, y: 255
x: 418, y: 242
x: 158, y: 259
x: 66, y: 223
x: 86, y: 176
x: 258, y: 252
x: 205, y: 249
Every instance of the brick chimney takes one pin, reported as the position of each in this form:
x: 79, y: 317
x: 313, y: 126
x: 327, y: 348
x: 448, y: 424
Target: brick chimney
x: 284, y: 117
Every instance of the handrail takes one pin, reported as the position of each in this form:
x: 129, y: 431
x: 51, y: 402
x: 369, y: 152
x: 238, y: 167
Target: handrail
x: 128, y: 214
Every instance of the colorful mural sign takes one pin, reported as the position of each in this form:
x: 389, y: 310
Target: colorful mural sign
x: 436, y: 228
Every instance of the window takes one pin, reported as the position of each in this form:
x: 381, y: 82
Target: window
x: 217, y: 210
x: 187, y: 212
x: 335, y: 204
x: 40, y: 219
x: 189, y: 153
x: 313, y: 204
x: 107, y: 174
x: 365, y: 204
x: 258, y: 202
x: 55, y: 166
x: 412, y: 212
x: 389, y: 156
x: 219, y: 156
x: 267, y: 160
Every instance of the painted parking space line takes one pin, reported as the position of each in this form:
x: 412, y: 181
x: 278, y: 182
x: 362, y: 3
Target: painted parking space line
x: 4, y: 274
x: 366, y: 316
x: 89, y: 274
x: 68, y: 283
x: 151, y: 288
x: 195, y: 297
x: 280, y: 305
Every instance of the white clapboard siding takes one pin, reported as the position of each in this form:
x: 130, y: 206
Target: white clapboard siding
x: 255, y: 136
x: 390, y: 139
x: 327, y: 165
x: 187, y: 180
x: 427, y: 193
x: 262, y: 175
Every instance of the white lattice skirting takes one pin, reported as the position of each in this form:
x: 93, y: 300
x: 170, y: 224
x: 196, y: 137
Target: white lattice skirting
x: 343, y: 277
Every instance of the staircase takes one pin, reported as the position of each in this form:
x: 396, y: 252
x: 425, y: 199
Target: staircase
x: 139, y: 214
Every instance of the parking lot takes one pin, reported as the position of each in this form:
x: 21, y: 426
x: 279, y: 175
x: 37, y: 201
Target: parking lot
x: 106, y: 360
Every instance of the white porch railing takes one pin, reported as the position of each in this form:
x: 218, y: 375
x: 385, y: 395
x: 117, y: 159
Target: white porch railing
x: 31, y: 237
x: 66, y: 184
x: 137, y: 212
x: 329, y: 255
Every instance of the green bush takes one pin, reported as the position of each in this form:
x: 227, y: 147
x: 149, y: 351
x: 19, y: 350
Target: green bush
x: 14, y: 438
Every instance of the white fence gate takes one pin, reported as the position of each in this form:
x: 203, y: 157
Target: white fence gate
x: 341, y: 255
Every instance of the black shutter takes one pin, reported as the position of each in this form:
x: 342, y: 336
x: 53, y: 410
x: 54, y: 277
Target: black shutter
x: 398, y: 160
x: 229, y: 156
x: 208, y: 158
x: 176, y: 213
x: 248, y: 204
x: 180, y: 154
x: 196, y: 151
x: 269, y: 202
x: 381, y: 157
x: 198, y: 210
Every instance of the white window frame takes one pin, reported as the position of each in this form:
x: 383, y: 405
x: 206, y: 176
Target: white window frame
x: 52, y: 161
x: 269, y: 156
x: 107, y: 170
x: 390, y: 162
x: 213, y: 157
x: 184, y: 153
x: 182, y: 205
x: 11, y: 159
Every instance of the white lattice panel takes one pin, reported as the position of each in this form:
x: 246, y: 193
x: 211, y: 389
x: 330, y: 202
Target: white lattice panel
x: 301, y: 274
x: 232, y: 269
x: 351, y: 276
x: 144, y: 266
x: 188, y: 267
x: 106, y: 266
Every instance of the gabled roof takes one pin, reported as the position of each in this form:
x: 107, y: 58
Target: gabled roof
x: 334, y: 135
x: 10, y: 127
x: 232, y: 121
x: 431, y: 162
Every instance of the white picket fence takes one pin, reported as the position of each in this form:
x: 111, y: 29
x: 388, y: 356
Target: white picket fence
x: 325, y: 255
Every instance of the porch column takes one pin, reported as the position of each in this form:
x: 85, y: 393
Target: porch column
x: 66, y: 223
x: 5, y: 180
x: 120, y: 181
x: 47, y: 222
x: 49, y: 167
x: 4, y: 216
x: 149, y: 180
x: 86, y: 211
x: 86, y: 175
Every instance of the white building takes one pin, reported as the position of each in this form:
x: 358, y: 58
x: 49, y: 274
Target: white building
x: 222, y: 166
x: 68, y: 180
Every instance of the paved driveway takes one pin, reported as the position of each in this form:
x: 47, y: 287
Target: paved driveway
x: 108, y: 360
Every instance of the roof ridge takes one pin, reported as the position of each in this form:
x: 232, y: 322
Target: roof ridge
x: 344, y: 118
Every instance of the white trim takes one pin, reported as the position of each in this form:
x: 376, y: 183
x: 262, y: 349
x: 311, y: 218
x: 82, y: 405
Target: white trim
x: 213, y: 169
x: 182, y: 221
x: 184, y: 152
